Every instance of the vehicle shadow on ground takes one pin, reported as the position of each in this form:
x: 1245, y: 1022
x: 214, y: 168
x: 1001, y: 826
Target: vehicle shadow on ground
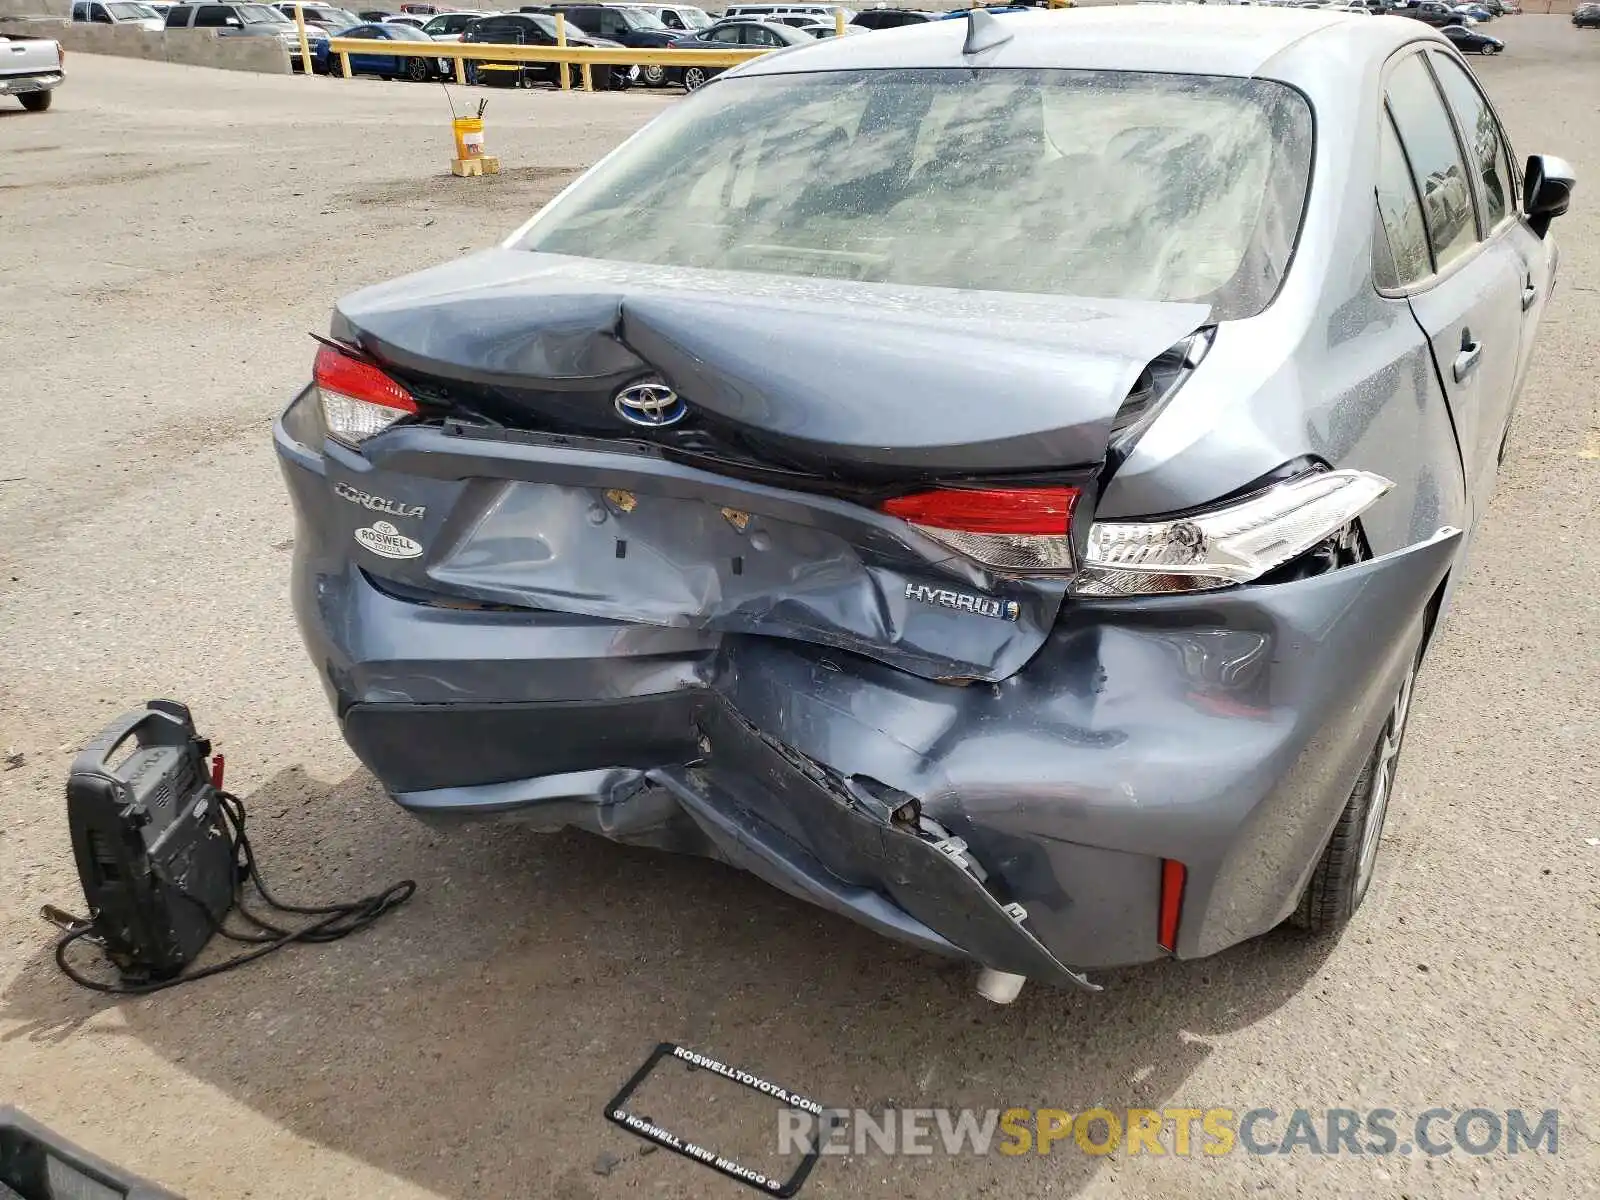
x: 467, y: 1043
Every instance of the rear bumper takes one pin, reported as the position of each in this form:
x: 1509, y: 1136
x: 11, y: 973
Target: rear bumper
x: 1223, y: 731
x: 17, y: 85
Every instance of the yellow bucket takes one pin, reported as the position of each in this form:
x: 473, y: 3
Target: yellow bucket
x: 469, y: 136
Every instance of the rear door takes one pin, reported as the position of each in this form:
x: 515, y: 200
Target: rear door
x: 1495, y: 166
x: 1469, y: 307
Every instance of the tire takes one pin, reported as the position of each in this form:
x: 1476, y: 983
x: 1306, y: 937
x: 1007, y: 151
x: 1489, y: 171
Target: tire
x: 417, y: 70
x: 653, y: 76
x: 1491, y: 51
x: 1344, y: 873
x: 36, y: 101
x: 693, y: 78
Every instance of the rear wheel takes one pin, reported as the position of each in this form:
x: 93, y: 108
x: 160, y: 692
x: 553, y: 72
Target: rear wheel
x: 1344, y: 873
x: 693, y: 77
x: 36, y: 101
x: 1491, y: 49
x: 417, y: 70
x: 653, y: 76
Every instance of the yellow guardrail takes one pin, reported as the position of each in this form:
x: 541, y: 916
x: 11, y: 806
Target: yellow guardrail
x: 582, y: 57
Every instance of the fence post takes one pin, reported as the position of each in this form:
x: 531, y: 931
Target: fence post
x: 344, y: 63
x: 461, y: 70
x: 561, y: 40
x: 838, y: 22
x: 305, y: 46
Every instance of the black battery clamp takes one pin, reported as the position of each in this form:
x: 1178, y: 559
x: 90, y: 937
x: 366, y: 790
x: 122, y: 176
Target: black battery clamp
x: 163, y: 858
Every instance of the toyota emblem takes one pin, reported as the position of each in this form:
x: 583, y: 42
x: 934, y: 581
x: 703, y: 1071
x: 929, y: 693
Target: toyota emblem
x: 650, y: 403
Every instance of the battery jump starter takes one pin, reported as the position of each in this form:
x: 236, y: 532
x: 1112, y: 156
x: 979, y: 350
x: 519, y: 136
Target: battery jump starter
x: 163, y: 858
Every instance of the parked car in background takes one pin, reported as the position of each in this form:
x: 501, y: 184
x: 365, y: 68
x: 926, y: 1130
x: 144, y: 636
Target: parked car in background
x: 817, y: 29
x: 323, y: 16
x: 769, y: 35
x: 376, y: 16
x: 680, y: 18
x: 1586, y: 16
x: 118, y: 12
x: 537, y: 29
x: 891, y: 18
x: 1476, y: 12
x: 624, y: 24
x: 399, y: 52
x: 409, y: 20
x: 760, y: 12
x: 1069, y: 619
x: 1431, y: 12
x: 1472, y: 41
x: 449, y: 26
x: 247, y: 20
x: 31, y: 69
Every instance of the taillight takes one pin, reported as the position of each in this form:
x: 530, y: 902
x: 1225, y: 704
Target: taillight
x: 1010, y: 529
x: 358, y: 399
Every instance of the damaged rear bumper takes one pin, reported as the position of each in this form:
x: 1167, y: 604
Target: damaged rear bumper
x: 1224, y: 731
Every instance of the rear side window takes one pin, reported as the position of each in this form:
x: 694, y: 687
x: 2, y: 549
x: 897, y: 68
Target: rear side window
x: 178, y: 15
x: 1481, y: 132
x: 1108, y: 184
x: 1431, y: 149
x: 1402, y: 258
x: 211, y: 16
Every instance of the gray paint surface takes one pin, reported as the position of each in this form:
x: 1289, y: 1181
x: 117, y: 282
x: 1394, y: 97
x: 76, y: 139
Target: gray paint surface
x: 1092, y: 739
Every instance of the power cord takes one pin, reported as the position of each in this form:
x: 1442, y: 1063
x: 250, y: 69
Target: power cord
x: 335, y: 920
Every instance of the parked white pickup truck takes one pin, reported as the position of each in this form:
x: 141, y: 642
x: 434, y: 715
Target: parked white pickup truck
x: 30, y: 69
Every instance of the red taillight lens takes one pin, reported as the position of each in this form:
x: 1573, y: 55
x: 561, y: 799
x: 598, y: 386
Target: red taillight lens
x: 1022, y: 530
x: 1173, y: 876
x: 1042, y: 510
x: 358, y: 399
x: 336, y: 371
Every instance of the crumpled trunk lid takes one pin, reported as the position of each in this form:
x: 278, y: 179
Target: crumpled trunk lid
x: 809, y: 401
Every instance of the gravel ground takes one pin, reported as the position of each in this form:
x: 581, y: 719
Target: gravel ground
x: 172, y: 234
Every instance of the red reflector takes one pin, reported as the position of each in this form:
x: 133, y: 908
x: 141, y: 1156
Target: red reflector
x: 359, y: 380
x: 1032, y: 510
x: 1173, y: 874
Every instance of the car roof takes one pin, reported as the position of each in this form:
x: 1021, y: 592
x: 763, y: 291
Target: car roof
x: 1240, y: 40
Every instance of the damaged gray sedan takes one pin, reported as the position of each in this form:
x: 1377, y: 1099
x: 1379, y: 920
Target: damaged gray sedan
x: 995, y: 480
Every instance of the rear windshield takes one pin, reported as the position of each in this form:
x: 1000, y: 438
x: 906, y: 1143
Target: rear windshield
x: 1083, y: 183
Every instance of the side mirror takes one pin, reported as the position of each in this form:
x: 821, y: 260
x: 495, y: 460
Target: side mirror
x: 1546, y: 190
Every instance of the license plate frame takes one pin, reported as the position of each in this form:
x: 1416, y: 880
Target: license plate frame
x: 617, y: 1113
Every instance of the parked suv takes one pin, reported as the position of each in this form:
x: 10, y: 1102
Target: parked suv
x: 534, y: 29
x: 248, y: 20
x: 625, y: 25
x: 118, y: 12
x: 679, y: 18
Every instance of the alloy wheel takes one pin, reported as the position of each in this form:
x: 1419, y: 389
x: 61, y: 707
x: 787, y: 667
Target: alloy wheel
x: 1394, y: 732
x: 693, y: 77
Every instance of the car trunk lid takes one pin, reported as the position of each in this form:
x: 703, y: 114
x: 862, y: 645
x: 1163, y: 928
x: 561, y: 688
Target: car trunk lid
x: 809, y: 403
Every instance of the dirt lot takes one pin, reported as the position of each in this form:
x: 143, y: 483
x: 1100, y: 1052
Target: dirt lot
x: 170, y: 236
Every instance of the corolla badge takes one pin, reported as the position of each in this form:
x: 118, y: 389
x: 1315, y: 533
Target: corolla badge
x: 650, y: 403
x: 384, y: 540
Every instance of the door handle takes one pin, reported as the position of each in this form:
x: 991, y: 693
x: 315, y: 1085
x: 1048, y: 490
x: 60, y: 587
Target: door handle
x: 1467, y: 361
x: 1530, y: 293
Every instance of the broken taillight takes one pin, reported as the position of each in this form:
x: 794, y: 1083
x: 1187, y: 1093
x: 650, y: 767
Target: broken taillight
x: 1010, y: 529
x: 358, y: 399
